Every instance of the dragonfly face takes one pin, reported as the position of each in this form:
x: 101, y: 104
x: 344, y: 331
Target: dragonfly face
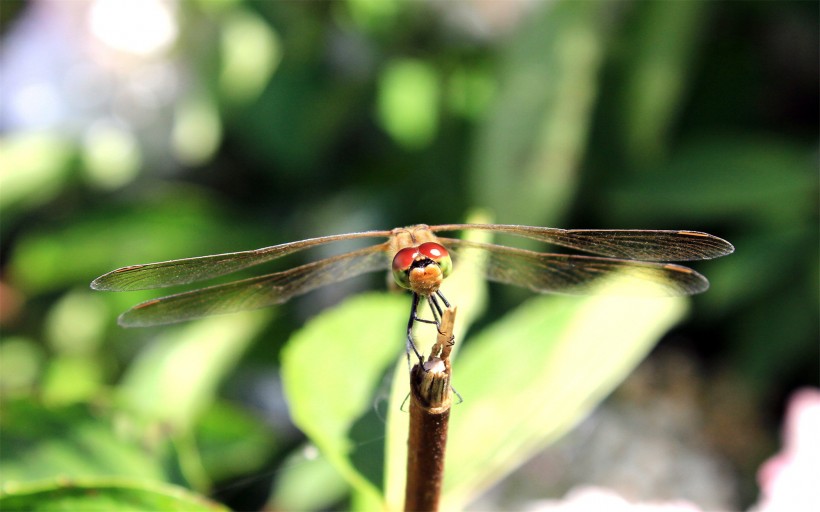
x: 420, y: 262
x: 422, y: 269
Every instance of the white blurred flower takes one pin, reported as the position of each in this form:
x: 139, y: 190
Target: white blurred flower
x: 789, y: 480
x: 593, y: 499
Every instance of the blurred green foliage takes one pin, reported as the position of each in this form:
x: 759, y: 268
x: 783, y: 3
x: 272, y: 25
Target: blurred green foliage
x: 267, y: 122
x: 108, y: 495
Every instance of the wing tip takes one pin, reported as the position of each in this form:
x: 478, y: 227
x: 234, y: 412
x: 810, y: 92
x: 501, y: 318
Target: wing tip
x: 123, y: 321
x: 101, y: 284
x: 136, y: 317
x: 719, y: 246
x: 130, y: 320
x: 722, y: 248
x: 119, y: 280
x: 694, y: 284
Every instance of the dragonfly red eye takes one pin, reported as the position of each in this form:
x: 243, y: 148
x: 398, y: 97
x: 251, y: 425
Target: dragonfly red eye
x: 433, y: 251
x: 401, y: 264
x: 404, y: 258
x: 438, y: 254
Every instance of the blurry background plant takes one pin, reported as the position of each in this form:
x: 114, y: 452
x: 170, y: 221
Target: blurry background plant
x: 144, y: 130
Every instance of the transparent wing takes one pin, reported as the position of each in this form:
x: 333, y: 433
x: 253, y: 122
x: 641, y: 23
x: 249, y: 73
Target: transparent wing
x: 190, y: 270
x: 256, y: 292
x: 633, y: 244
x: 575, y: 274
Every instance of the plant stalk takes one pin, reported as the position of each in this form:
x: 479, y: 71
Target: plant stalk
x: 430, y: 400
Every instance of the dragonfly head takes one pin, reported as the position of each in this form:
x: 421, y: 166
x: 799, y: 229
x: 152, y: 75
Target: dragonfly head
x: 422, y: 269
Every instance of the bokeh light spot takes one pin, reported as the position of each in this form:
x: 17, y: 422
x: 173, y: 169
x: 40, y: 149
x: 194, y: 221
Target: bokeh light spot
x: 111, y: 155
x: 140, y: 27
x: 197, y: 130
x: 408, y: 102
x: 250, y: 52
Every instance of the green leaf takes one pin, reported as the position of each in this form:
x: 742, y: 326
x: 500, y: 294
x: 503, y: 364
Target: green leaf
x: 91, y: 495
x: 332, y: 368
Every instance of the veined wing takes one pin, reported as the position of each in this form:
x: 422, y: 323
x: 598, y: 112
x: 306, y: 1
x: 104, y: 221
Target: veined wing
x: 190, y: 270
x: 576, y: 274
x: 256, y: 292
x: 633, y: 244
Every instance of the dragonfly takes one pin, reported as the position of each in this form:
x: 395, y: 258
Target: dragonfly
x: 420, y: 260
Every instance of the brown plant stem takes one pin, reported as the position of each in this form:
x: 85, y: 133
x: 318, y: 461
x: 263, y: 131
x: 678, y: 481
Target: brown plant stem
x: 430, y: 401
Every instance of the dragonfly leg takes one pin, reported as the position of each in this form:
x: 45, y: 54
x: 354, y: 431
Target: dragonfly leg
x: 447, y: 305
x: 436, y: 310
x: 443, y: 298
x: 460, y: 398
x: 413, y: 318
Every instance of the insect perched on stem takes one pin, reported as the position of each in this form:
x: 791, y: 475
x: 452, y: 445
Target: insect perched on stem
x: 421, y: 261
